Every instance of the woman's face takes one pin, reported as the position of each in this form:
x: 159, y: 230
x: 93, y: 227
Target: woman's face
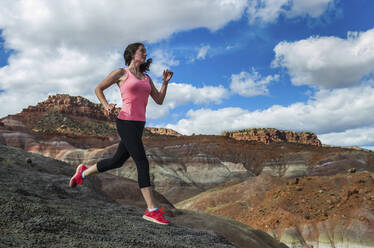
x: 140, y: 55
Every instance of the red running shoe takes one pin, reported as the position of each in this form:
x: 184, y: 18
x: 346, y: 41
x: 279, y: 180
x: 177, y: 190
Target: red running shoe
x: 156, y: 216
x: 77, y: 178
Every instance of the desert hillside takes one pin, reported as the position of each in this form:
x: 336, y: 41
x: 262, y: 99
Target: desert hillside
x: 38, y: 209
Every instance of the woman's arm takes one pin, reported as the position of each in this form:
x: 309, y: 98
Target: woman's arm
x: 159, y: 96
x: 112, y: 78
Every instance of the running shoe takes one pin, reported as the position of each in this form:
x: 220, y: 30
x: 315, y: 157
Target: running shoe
x: 156, y: 216
x: 77, y: 178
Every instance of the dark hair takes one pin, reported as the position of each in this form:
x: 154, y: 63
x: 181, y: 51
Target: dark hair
x: 130, y: 52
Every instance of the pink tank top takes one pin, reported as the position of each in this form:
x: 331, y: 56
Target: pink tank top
x: 135, y: 93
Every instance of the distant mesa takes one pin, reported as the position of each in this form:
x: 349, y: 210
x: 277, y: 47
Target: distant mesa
x: 163, y: 131
x: 70, y: 115
x: 272, y: 135
x: 72, y: 105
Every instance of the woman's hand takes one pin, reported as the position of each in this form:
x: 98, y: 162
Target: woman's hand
x: 110, y: 108
x: 166, y: 76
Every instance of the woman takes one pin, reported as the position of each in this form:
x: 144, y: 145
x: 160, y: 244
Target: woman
x: 135, y: 87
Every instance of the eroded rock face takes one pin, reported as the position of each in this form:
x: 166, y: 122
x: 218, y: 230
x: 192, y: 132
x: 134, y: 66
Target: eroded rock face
x: 72, y: 105
x: 184, y: 166
x: 30, y: 143
x: 330, y: 211
x: 271, y: 135
x: 176, y: 175
x: 163, y: 131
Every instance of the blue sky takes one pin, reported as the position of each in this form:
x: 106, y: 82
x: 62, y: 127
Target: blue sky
x: 294, y: 65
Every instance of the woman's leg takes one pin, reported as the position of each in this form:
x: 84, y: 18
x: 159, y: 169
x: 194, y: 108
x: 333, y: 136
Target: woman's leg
x: 91, y: 170
x: 131, y: 134
x: 148, y: 197
x: 116, y: 161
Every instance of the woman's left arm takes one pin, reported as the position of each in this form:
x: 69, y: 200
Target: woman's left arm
x: 159, y: 96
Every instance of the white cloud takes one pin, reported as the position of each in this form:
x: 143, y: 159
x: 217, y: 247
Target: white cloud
x: 328, y: 62
x: 251, y: 83
x: 179, y: 94
x: 202, y: 52
x: 267, y: 11
x: 70, y: 46
x: 27, y: 80
x: 162, y: 60
x: 229, y: 47
x: 368, y: 147
x: 99, y: 25
x: 328, y: 111
x: 313, y: 8
x: 359, y: 137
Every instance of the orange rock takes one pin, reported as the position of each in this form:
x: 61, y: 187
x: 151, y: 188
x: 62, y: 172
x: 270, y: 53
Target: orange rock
x: 272, y: 135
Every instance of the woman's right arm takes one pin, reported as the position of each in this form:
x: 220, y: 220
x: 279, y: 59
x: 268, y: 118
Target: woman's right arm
x: 112, y: 78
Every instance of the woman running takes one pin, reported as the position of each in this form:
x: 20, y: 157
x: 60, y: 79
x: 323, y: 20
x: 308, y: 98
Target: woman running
x: 135, y: 87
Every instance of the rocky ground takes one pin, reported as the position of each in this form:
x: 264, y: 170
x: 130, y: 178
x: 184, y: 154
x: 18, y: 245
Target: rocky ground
x: 38, y: 209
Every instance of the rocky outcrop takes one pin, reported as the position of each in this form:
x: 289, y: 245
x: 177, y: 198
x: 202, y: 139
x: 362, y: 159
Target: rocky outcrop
x: 271, y: 135
x: 72, y: 105
x: 73, y: 119
x: 330, y: 211
x: 163, y: 131
x: 63, y: 117
x: 38, y: 209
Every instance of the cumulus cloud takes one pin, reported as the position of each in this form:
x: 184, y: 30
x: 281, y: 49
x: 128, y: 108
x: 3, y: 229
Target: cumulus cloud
x: 327, y: 111
x: 162, y: 60
x: 179, y: 94
x: 56, y: 54
x: 313, y: 8
x: 202, y: 52
x: 267, y: 11
x: 328, y: 62
x: 359, y: 137
x: 27, y: 80
x: 99, y: 25
x: 368, y: 147
x: 251, y: 83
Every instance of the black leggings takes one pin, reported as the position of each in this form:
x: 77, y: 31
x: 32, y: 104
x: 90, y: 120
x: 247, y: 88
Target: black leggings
x: 130, y: 145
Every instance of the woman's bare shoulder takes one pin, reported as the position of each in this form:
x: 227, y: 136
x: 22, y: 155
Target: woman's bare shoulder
x: 122, y: 73
x: 119, y: 72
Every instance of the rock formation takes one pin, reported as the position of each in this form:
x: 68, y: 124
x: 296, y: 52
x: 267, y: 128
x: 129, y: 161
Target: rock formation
x: 72, y: 105
x: 72, y: 119
x: 271, y: 135
x: 174, y: 173
x: 163, y: 131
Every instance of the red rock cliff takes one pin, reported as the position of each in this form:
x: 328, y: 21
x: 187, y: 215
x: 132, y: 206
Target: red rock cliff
x: 163, y: 131
x: 72, y: 105
x: 271, y: 135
